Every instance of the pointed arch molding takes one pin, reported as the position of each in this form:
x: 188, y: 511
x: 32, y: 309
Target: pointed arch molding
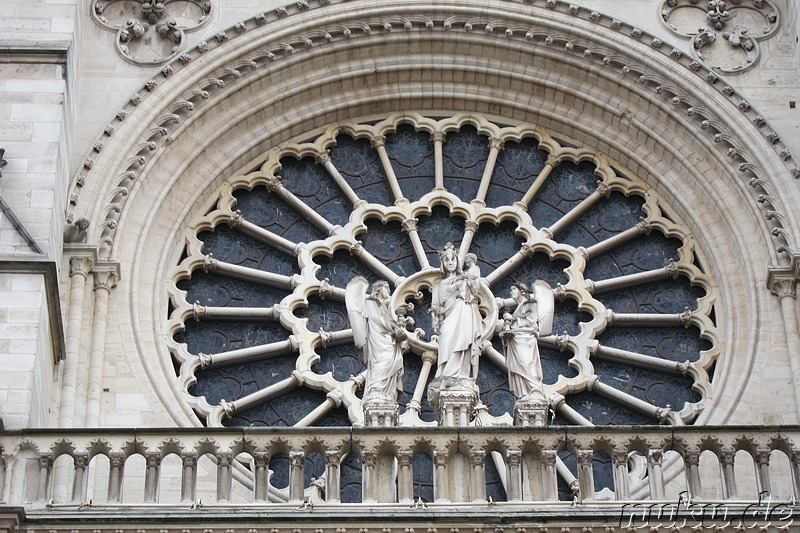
x: 620, y: 58
x: 294, y: 70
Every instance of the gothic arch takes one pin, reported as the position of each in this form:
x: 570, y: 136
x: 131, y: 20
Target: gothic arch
x: 289, y: 73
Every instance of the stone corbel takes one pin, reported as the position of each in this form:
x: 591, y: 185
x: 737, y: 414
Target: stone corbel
x: 782, y: 279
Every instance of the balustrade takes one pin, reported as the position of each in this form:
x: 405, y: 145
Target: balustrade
x: 466, y: 466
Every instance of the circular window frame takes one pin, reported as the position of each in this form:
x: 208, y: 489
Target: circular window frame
x: 613, y: 177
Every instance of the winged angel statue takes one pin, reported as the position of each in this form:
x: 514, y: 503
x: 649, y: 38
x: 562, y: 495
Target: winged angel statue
x: 531, y: 319
x: 380, y: 337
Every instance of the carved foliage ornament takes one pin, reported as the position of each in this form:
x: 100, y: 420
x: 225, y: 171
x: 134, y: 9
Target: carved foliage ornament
x: 150, y: 32
x: 724, y: 34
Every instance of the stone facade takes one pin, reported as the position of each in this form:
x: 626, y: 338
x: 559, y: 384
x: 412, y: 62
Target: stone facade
x: 144, y: 148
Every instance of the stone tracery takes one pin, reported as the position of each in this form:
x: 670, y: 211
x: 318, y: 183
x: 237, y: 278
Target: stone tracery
x: 311, y: 281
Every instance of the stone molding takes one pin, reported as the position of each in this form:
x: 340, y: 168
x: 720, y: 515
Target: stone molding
x: 584, y: 45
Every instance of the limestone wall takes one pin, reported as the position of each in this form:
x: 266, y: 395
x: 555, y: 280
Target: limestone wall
x: 62, y: 81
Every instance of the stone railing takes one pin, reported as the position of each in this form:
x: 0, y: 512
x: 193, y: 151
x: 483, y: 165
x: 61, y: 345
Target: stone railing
x: 51, y: 469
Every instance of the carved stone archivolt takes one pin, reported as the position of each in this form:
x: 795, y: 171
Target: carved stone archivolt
x: 724, y: 34
x: 150, y: 32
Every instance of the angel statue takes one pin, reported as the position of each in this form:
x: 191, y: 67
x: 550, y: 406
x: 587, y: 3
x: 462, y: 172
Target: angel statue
x: 532, y: 318
x: 377, y: 332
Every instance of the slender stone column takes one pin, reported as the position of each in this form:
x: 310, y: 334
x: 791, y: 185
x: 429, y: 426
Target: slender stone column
x: 104, y: 281
x: 332, y: 476
x: 656, y: 474
x: 550, y: 475
x: 240, y: 313
x: 643, y: 227
x: 224, y: 477
x: 260, y: 234
x: 261, y: 488
x: 379, y: 143
x: 440, y: 462
x: 595, y: 385
x: 116, y: 462
x: 293, y: 381
x: 45, y: 471
x: 428, y: 358
x: 275, y: 186
x: 477, y: 460
x: 726, y: 458
x: 409, y: 225
x: 795, y: 458
x: 324, y: 158
x: 470, y: 227
x: 79, y: 483
x: 783, y: 285
x: 405, y: 477
x: 692, y: 464
x: 297, y: 464
x: 602, y: 191
x: 242, y: 355
x: 374, y: 264
x: 648, y: 362
x: 331, y: 400
x: 526, y: 251
x: 622, y: 489
x: 585, y: 474
x: 368, y: 488
x: 550, y: 164
x: 7, y: 466
x: 495, y: 145
x: 251, y: 274
x: 514, y: 481
x: 189, y: 478
x: 153, y: 460
x: 670, y: 270
x: 762, y: 464
x: 438, y: 139
x: 78, y: 271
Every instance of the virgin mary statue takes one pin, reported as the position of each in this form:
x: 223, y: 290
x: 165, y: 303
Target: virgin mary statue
x: 456, y: 319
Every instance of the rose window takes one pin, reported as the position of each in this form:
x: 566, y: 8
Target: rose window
x: 260, y: 334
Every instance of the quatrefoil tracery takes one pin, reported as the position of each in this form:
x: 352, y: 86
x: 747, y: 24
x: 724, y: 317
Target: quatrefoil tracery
x: 313, y: 281
x: 725, y: 35
x: 150, y: 32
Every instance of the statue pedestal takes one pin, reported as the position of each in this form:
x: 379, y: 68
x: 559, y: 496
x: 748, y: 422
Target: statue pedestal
x: 531, y: 411
x: 453, y: 399
x: 380, y: 413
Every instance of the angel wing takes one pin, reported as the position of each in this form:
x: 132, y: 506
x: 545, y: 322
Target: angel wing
x: 355, y: 299
x: 545, y: 300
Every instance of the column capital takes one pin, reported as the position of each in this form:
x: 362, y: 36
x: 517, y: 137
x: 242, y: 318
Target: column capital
x: 105, y: 276
x: 438, y: 136
x: 496, y: 143
x: 782, y: 279
x: 273, y: 183
x: 80, y: 266
x: 405, y: 457
x: 409, y: 224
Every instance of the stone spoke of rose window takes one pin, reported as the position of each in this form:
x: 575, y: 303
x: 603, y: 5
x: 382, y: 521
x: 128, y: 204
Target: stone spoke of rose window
x: 238, y: 222
x: 662, y: 414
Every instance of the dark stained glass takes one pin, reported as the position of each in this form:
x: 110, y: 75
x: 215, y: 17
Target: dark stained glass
x: 464, y: 159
